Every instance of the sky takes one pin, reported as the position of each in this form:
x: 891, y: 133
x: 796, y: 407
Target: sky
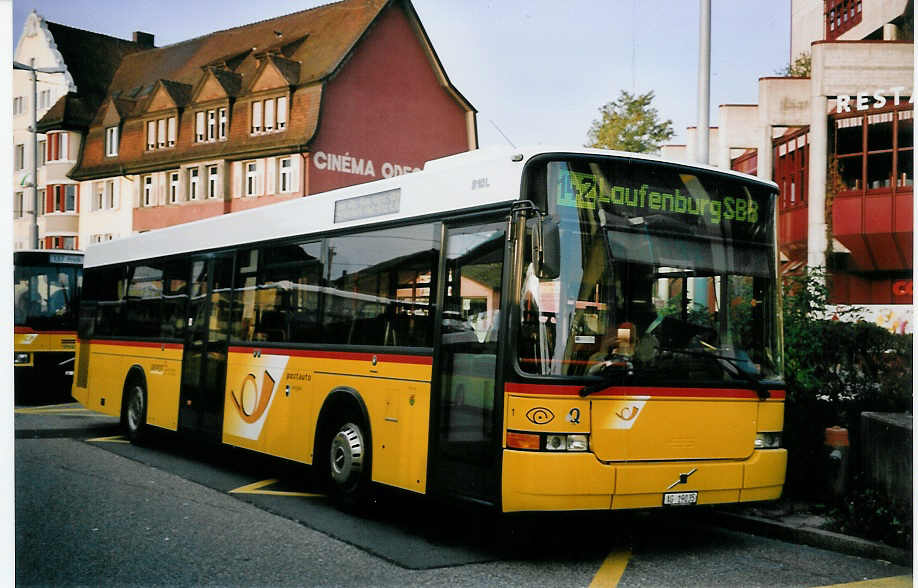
x: 537, y: 71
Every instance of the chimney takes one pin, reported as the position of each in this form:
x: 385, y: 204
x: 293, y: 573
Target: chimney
x: 142, y: 39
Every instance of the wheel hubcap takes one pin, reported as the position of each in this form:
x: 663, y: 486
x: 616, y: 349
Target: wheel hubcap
x: 135, y: 409
x: 347, y: 454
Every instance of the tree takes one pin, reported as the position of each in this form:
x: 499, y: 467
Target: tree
x: 800, y: 68
x: 630, y: 123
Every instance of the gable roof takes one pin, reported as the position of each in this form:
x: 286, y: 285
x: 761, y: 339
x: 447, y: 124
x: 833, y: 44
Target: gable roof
x: 91, y: 60
x: 315, y: 40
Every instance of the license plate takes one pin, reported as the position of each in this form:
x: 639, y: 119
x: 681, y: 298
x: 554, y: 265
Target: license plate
x: 680, y: 498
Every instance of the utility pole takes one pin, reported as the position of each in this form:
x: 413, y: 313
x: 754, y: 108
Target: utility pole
x: 702, y: 152
x: 34, y: 129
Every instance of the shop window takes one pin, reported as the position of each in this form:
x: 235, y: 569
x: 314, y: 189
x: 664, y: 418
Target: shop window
x: 873, y: 152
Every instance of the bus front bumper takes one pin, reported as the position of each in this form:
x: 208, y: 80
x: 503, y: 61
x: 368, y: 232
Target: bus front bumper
x: 538, y: 481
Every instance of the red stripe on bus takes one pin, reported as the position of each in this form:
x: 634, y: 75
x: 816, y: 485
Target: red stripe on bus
x: 137, y: 344
x: 351, y: 355
x: 547, y: 389
x: 22, y: 330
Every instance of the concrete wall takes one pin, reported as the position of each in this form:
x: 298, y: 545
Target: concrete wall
x: 885, y: 450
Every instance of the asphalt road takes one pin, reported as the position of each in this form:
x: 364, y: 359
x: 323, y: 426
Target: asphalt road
x: 91, y: 509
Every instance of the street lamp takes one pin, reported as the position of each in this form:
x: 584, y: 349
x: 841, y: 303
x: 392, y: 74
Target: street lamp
x: 34, y: 128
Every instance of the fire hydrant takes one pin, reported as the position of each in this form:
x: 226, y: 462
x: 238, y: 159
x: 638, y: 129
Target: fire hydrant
x: 836, y: 441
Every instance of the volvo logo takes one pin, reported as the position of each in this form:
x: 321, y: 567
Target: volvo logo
x: 683, y: 479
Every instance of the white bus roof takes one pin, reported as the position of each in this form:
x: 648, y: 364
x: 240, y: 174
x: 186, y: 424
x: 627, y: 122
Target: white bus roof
x: 468, y: 180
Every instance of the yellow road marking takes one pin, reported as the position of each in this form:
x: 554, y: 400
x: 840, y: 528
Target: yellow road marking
x: 256, y: 488
x: 51, y: 410
x: 113, y: 439
x: 891, y: 582
x: 611, y: 570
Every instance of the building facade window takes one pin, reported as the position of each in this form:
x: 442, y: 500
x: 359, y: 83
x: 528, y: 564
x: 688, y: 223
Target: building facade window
x: 285, y: 175
x: 841, y: 16
x: 19, y: 205
x: 62, y: 242
x: 251, y: 178
x: 100, y: 237
x: 148, y: 191
x: 173, y: 187
x: 103, y: 197
x: 212, y: 181
x: 44, y: 99
x: 161, y: 133
x: 193, y: 183
x: 18, y: 105
x: 873, y: 151
x: 791, y: 168
x: 111, y: 141
x: 42, y: 152
x: 110, y: 201
x: 210, y: 125
x: 19, y: 157
x: 269, y: 115
x: 61, y: 198
x: 58, y: 146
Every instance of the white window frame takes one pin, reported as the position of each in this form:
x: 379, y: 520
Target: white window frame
x: 111, y: 141
x: 148, y: 191
x: 151, y: 135
x: 251, y: 178
x: 194, y: 183
x: 256, y: 117
x: 269, y: 115
x: 211, y: 125
x: 98, y: 196
x: 285, y: 175
x: 222, y: 124
x: 173, y: 187
x: 110, y: 202
x: 213, y: 180
x: 161, y: 133
x: 281, y: 113
x: 171, y: 124
x: 199, y: 126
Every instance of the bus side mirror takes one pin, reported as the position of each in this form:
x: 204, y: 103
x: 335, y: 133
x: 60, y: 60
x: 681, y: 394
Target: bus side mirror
x: 550, y: 254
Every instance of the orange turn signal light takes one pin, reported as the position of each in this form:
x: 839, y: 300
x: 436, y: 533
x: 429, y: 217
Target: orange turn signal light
x: 523, y: 440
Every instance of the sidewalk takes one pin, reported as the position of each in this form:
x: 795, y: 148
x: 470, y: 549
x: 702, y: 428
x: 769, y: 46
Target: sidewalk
x: 796, y: 523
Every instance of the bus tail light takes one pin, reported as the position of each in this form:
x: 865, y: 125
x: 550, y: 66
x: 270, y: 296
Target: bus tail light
x: 767, y: 440
x: 565, y: 443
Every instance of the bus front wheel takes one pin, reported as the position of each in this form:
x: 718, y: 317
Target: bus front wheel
x: 135, y: 412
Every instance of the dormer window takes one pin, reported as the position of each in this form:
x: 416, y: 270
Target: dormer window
x: 161, y: 133
x: 269, y: 115
x: 210, y: 125
x: 111, y: 141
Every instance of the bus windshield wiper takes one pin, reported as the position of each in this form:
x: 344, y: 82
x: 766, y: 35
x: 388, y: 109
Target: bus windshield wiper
x: 709, y: 351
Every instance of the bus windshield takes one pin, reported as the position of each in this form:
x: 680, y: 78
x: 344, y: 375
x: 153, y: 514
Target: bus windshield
x: 44, y: 296
x: 667, y: 276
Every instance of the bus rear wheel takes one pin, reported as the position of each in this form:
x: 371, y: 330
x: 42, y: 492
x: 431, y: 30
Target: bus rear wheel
x: 349, y: 462
x: 135, y: 412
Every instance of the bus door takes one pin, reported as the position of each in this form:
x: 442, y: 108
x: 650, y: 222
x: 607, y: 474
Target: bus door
x: 465, y: 431
x: 206, y: 337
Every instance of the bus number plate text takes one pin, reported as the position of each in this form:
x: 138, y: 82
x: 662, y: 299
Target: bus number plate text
x: 680, y: 498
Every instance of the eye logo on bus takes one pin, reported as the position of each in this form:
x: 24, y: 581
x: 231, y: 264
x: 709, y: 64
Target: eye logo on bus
x: 540, y: 416
x: 249, y: 400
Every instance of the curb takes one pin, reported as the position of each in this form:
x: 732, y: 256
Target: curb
x: 813, y: 537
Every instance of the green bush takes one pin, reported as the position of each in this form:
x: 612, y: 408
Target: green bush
x: 836, y: 369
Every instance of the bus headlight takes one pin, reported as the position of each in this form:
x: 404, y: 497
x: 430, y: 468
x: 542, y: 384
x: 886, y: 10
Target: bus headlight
x: 565, y: 443
x: 767, y: 440
x: 20, y: 358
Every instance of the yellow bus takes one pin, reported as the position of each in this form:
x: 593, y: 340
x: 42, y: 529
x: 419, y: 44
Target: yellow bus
x: 534, y: 330
x: 46, y: 289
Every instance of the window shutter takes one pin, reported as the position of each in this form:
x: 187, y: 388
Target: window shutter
x: 151, y: 134
x: 256, y: 116
x: 269, y: 115
x: 237, y: 179
x: 282, y: 112
x: 271, y: 176
x: 171, y: 124
x: 199, y: 126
